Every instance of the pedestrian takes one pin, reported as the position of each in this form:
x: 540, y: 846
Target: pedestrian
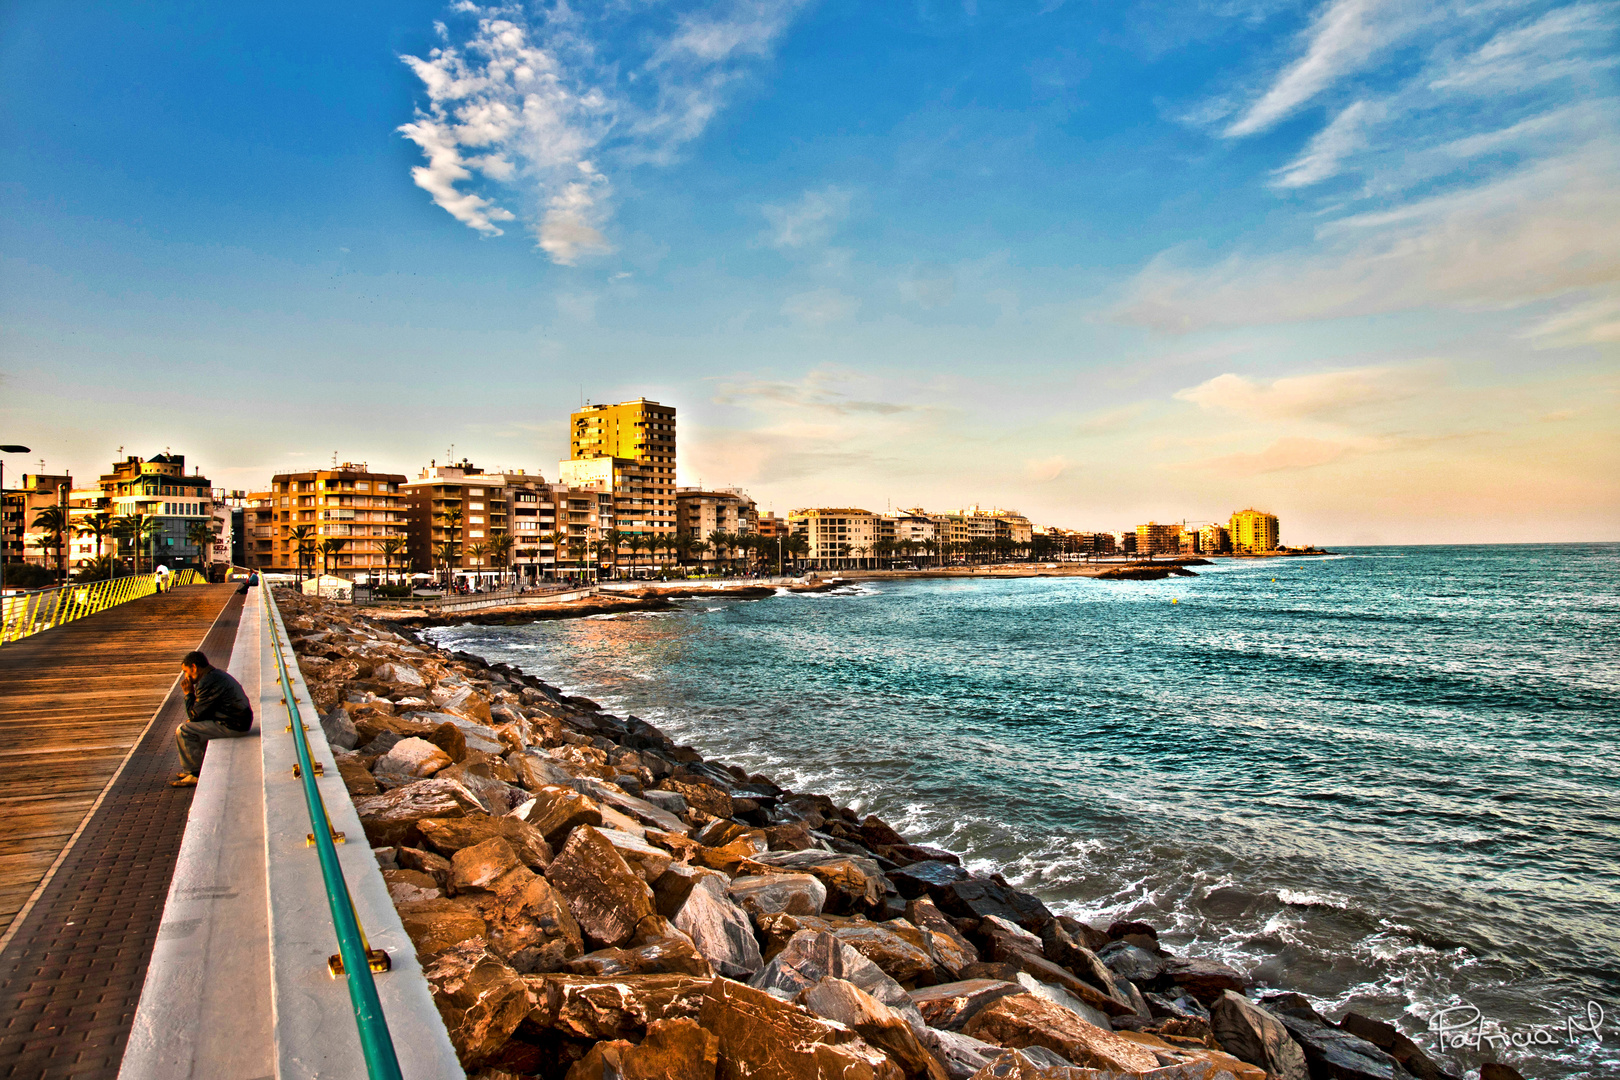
x: 216, y: 708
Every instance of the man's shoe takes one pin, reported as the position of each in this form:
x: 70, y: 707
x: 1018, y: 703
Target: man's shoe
x: 183, y: 780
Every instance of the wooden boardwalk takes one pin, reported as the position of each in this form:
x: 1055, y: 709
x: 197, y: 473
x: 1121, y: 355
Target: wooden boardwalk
x: 73, y: 702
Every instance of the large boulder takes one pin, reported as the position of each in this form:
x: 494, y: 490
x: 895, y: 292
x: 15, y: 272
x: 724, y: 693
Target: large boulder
x: 1390, y: 1039
x: 950, y: 1006
x: 479, y: 866
x: 763, y: 1038
x: 772, y: 894
x: 341, y: 733
x: 676, y: 1049
x: 675, y: 884
x: 854, y: 884
x: 435, y: 924
x: 464, y: 702
x: 926, y: 878
x: 979, y: 897
x: 613, y: 1007
x: 536, y: 769
x: 950, y: 949
x: 1331, y: 1052
x: 720, y: 929
x: 450, y: 835
x: 1059, y: 996
x: 1022, y: 1020
x: 606, y: 896
x: 1204, y: 978
x: 390, y: 819
x: 488, y: 778
x: 398, y: 673
x: 530, y: 923
x: 1131, y: 962
x: 886, y: 944
x: 481, y: 1000
x: 645, y: 859
x: 1025, y: 955
x: 556, y: 811
x: 1252, y: 1034
x: 644, y: 811
x: 962, y: 1056
x: 811, y: 956
x: 700, y: 798
x: 672, y: 953
x: 845, y: 1003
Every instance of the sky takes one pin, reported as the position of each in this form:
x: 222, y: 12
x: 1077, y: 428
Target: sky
x: 1356, y: 262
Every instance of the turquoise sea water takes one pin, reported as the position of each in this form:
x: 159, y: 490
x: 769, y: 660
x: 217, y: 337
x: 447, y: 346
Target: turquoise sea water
x: 1388, y: 780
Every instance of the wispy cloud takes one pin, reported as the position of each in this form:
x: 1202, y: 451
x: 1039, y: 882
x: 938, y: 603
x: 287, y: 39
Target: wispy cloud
x: 1313, y: 395
x: 809, y: 221
x: 821, y: 307
x: 526, y: 114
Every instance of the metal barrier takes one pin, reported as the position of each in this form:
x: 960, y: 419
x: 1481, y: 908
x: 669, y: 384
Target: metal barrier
x: 355, y: 958
x: 32, y: 612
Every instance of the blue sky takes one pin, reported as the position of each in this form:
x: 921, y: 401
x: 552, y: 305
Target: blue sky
x: 1356, y: 261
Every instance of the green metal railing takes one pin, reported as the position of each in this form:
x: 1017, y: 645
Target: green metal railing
x: 355, y: 958
x: 31, y: 612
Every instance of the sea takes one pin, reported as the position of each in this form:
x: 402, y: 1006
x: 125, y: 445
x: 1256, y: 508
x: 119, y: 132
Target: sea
x: 1387, y: 778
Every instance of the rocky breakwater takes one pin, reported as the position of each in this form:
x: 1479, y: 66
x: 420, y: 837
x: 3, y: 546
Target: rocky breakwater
x: 591, y: 901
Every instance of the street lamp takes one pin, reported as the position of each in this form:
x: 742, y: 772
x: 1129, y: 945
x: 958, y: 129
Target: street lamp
x: 6, y: 449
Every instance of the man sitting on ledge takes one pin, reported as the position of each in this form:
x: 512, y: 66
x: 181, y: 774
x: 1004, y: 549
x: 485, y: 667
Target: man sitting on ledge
x: 216, y: 708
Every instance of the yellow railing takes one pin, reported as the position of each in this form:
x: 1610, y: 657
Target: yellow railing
x: 30, y: 612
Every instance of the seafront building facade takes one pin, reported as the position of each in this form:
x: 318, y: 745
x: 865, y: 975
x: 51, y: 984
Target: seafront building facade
x: 1254, y: 531
x: 353, y: 506
x: 703, y: 513
x: 628, y: 451
x: 1156, y: 539
x: 21, y: 543
x: 153, y: 507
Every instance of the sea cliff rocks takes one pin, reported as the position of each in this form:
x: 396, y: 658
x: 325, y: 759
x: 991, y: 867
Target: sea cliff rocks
x: 591, y: 901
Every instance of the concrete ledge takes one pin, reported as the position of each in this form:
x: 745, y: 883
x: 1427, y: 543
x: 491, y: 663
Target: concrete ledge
x: 314, y: 1023
x: 205, y: 1007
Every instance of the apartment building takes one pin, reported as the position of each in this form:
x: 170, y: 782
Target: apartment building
x: 913, y: 526
x: 1214, y: 539
x: 20, y: 542
x: 769, y: 526
x: 1156, y: 539
x: 628, y: 451
x: 346, y: 502
x: 702, y: 513
x: 1254, y: 531
x: 156, y: 491
x: 839, y: 537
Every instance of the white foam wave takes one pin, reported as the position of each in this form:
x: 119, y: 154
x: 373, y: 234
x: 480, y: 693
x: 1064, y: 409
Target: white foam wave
x: 1307, y: 898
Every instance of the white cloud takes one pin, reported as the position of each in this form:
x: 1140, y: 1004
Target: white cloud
x: 1344, y: 37
x: 821, y: 307
x: 810, y: 221
x: 1328, y: 149
x: 527, y: 108
x: 1315, y: 395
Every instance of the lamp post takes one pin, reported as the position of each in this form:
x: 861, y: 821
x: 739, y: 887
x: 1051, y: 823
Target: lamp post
x: 7, y: 449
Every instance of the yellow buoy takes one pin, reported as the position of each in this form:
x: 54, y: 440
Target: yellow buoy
x: 1173, y: 600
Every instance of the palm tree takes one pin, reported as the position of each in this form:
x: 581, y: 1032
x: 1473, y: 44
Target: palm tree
x: 140, y: 528
x: 500, y: 551
x: 303, y: 539
x: 720, y: 541
x: 576, y: 551
x: 53, y: 521
x: 452, y: 522
x: 100, y: 568
x: 390, y: 547
x: 616, y: 539
x: 202, y: 534
x: 446, y: 551
x: 477, y: 551
x: 98, y: 525
x: 555, y: 540
x: 329, y: 550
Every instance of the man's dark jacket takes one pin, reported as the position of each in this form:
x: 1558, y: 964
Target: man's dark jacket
x: 217, y: 696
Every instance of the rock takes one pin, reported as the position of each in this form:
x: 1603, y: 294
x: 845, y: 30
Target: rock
x: 771, y: 894
x: 880, y: 1026
x: 926, y: 878
x: 996, y: 972
x: 1492, y: 1070
x: 390, y: 819
x: 530, y: 923
x: 427, y: 862
x: 645, y: 859
x: 556, y: 811
x: 412, y: 759
x: 1193, y: 1059
x: 617, y: 1007
x: 340, y: 730
x: 449, y: 835
x: 1026, y: 956
x: 762, y: 1038
x: 672, y: 802
x: 700, y: 798
x: 811, y: 956
x: 1252, y: 1034
x: 853, y: 883
x: 733, y: 854
x: 436, y: 925
x: 479, y: 866
x: 790, y: 836
x: 1330, y: 1052
x: 1130, y: 962
x: 405, y: 886
x: 1062, y: 947
x: 481, y: 1000
x: 979, y: 897
x: 674, y: 885
x: 882, y: 943
x: 1389, y: 1039
x: 1203, y: 978
x: 490, y: 779
x: 673, y: 954
x: 1059, y: 996
x: 402, y: 674
x: 720, y: 929
x: 675, y: 1049
x: 962, y: 1056
x: 466, y: 703
x: 606, y: 896
x: 357, y: 779
x: 1023, y: 1020
x: 448, y: 737
x: 951, y: 1005
x: 950, y: 949
x: 1084, y: 933
x: 644, y: 811
x: 1182, y: 1007
x: 536, y: 769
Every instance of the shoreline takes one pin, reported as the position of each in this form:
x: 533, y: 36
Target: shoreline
x: 789, y: 869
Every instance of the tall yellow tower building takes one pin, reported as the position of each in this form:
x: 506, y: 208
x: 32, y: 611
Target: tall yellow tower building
x: 1254, y: 530
x: 641, y: 431
x: 629, y: 450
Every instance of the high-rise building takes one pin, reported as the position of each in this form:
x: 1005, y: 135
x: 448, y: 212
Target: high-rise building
x: 348, y: 503
x: 839, y: 537
x: 704, y: 513
x: 1214, y: 539
x: 166, y: 501
x: 1156, y: 539
x: 1254, y: 531
x: 20, y: 541
x: 628, y: 451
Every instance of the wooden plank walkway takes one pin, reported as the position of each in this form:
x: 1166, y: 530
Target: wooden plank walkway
x: 73, y: 701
